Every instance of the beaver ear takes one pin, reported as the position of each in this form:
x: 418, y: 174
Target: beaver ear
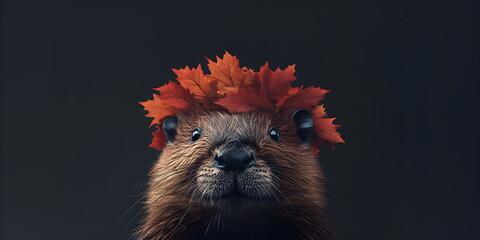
x: 304, y: 124
x: 170, y: 128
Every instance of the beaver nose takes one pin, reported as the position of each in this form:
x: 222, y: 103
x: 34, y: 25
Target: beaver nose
x: 234, y: 159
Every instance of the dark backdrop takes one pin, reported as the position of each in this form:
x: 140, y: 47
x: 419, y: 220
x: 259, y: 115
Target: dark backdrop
x: 405, y: 78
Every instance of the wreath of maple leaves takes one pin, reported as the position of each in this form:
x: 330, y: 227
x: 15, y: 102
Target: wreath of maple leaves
x: 234, y: 89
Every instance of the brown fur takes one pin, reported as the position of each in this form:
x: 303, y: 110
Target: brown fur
x: 284, y: 187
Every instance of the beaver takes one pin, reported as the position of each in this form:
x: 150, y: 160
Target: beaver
x: 248, y: 175
x: 237, y: 160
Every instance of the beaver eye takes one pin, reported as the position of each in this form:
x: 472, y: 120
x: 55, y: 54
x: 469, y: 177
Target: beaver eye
x: 273, y: 132
x: 196, y: 134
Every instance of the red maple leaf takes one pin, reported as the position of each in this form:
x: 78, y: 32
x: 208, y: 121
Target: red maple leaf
x: 300, y: 98
x: 275, y: 84
x: 326, y: 132
x: 159, y: 140
x: 177, y: 97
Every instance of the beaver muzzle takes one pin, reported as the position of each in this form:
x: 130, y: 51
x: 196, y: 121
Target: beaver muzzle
x: 234, y: 157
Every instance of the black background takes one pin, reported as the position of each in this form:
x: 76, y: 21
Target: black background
x: 405, y: 80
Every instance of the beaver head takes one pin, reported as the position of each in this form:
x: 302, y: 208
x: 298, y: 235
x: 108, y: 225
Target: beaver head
x: 236, y: 175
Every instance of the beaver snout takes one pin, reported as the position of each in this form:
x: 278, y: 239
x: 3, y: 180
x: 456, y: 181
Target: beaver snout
x: 234, y: 157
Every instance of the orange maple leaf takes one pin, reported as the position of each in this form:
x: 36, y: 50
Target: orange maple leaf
x: 245, y: 100
x: 157, y: 109
x: 319, y: 111
x: 228, y: 74
x: 197, y: 82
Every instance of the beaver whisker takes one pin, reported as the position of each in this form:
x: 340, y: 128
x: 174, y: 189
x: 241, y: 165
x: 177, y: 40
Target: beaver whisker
x: 133, y: 218
x: 264, y: 193
x: 183, y: 216
x: 280, y: 174
x: 187, y: 190
x: 140, y: 183
x: 219, y: 218
x: 278, y: 190
x: 208, y: 227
